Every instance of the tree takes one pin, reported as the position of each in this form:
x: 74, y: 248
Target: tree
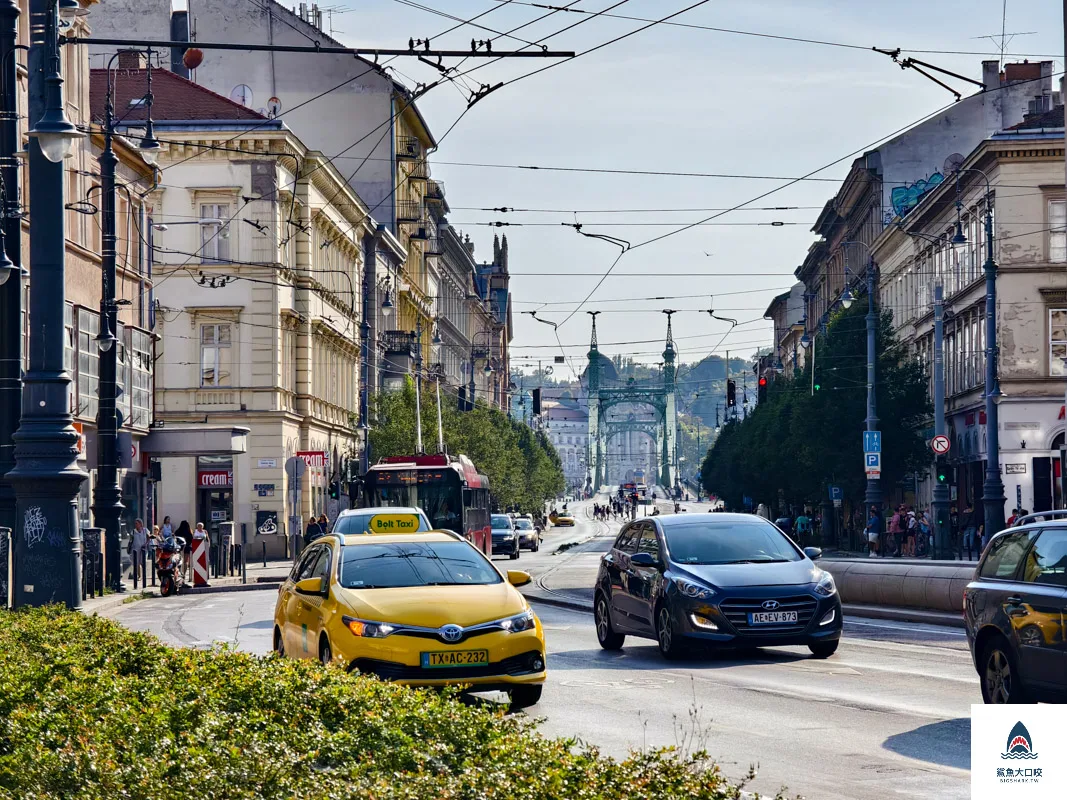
x: 523, y: 467
x: 801, y: 439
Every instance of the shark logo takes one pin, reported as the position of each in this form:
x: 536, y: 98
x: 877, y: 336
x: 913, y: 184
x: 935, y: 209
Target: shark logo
x: 1020, y: 745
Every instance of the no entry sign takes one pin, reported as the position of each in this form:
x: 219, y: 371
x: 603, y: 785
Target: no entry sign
x: 940, y: 444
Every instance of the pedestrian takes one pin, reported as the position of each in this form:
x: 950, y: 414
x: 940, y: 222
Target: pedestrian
x: 923, y: 540
x: 168, y: 529
x: 313, y: 532
x: 896, y: 533
x: 324, y: 524
x: 1014, y: 516
x: 185, y: 534
x: 803, y: 527
x: 970, y: 532
x: 138, y: 550
x: 954, y: 530
x: 911, y: 530
x: 873, y: 530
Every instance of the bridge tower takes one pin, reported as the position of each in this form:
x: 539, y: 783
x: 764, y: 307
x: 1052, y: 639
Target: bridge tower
x: 594, y: 454
x: 669, y: 456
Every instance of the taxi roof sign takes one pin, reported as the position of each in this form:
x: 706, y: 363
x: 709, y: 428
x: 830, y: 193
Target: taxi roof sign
x: 394, y: 523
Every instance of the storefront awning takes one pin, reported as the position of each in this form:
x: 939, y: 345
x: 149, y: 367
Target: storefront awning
x: 195, y: 441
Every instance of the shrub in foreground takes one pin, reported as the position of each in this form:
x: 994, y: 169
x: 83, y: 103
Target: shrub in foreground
x: 91, y: 710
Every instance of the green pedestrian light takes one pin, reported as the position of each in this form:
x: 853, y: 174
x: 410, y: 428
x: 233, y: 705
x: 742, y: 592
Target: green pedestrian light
x: 817, y: 387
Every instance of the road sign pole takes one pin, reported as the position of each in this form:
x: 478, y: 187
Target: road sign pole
x: 940, y: 502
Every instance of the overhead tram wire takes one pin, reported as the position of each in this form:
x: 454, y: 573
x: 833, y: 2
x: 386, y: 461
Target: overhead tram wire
x: 798, y: 39
x: 759, y: 197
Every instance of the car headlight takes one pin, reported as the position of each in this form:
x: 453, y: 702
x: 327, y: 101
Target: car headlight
x: 367, y: 630
x: 826, y: 586
x: 694, y: 591
x: 520, y: 622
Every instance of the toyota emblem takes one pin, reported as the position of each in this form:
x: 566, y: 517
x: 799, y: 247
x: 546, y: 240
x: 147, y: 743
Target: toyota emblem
x: 770, y: 605
x: 450, y: 633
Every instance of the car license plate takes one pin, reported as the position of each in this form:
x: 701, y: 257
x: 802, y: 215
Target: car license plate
x: 455, y: 658
x: 772, y: 617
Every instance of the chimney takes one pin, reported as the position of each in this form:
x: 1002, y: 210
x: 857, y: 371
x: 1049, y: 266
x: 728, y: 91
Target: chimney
x: 131, y: 59
x: 991, y: 75
x: 179, y: 32
x: 1026, y: 71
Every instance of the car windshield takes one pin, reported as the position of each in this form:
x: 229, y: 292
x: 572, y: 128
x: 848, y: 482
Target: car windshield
x: 382, y: 520
x: 501, y: 523
x: 401, y: 564
x: 524, y: 525
x: 721, y: 542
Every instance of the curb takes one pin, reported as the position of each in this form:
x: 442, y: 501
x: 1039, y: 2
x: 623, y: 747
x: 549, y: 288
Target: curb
x: 560, y: 602
x: 898, y: 614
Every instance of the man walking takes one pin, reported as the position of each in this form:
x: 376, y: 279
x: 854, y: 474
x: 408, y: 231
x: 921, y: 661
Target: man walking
x: 873, y: 530
x: 138, y: 551
x: 969, y: 526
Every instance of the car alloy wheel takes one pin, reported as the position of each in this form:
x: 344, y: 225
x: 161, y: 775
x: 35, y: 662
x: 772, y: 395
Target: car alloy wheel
x: 605, y: 634
x: 999, y: 683
x: 669, y: 645
x: 325, y: 653
x: 279, y: 646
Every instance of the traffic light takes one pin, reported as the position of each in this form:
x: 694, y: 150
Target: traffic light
x: 816, y: 387
x: 943, y: 472
x: 537, y: 400
x: 761, y: 392
x: 731, y: 394
x: 335, y: 490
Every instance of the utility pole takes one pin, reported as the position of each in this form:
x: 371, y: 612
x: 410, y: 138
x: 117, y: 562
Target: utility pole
x: 873, y: 496
x: 10, y: 261
x: 942, y: 532
x: 418, y: 387
x: 993, y: 488
x: 46, y: 477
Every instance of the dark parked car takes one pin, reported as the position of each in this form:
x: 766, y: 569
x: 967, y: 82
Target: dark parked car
x: 1015, y: 610
x: 505, y: 538
x: 715, y: 579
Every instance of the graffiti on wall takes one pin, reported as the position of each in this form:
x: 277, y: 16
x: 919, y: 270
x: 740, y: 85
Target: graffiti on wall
x: 905, y: 198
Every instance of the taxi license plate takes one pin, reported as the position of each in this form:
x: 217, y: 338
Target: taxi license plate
x: 455, y: 658
x: 772, y: 617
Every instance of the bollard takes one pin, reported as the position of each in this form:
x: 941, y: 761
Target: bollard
x: 244, y: 545
x: 264, y: 554
x: 5, y: 568
x: 200, y: 559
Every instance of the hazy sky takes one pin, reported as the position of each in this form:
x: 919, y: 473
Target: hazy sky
x: 680, y: 100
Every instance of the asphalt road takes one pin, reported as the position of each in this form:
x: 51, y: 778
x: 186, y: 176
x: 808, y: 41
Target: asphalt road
x: 888, y: 715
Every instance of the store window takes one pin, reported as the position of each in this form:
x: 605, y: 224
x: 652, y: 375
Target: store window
x: 216, y: 358
x: 88, y: 364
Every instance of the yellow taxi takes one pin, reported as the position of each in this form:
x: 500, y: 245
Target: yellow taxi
x: 561, y: 520
x: 426, y: 609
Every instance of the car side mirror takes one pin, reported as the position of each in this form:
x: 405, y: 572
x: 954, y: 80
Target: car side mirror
x: 642, y: 560
x: 516, y: 577
x: 814, y: 553
x: 312, y: 586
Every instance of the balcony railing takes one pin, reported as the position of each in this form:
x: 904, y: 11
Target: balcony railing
x: 408, y: 148
x: 402, y: 342
x: 424, y: 232
x: 435, y: 192
x: 420, y: 170
x: 408, y: 211
x: 432, y: 246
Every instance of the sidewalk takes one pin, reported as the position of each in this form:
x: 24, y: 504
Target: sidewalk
x: 259, y: 578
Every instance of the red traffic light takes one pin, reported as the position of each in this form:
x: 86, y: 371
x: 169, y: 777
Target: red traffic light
x: 762, y: 381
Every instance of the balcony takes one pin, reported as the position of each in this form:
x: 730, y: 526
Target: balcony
x: 420, y: 171
x: 435, y: 192
x: 426, y: 231
x: 408, y: 211
x: 400, y: 343
x: 433, y: 246
x: 408, y: 148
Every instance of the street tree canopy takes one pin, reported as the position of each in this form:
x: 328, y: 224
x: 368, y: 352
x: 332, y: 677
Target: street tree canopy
x: 798, y: 442
x: 523, y: 467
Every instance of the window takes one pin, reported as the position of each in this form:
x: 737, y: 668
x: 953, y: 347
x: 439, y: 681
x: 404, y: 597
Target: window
x: 140, y: 378
x: 627, y: 541
x: 1057, y: 341
x: 88, y: 364
x: 214, y: 232
x: 1004, y: 554
x: 1057, y: 234
x: 216, y: 362
x: 1047, y: 560
x: 649, y: 543
x: 68, y: 353
x: 122, y: 380
x: 289, y: 360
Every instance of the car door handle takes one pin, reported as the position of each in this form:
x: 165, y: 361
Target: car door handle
x: 1014, y: 600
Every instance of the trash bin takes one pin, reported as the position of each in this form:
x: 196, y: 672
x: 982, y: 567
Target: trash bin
x: 225, y: 548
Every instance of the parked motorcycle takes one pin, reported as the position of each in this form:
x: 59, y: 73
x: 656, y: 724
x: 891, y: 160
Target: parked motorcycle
x: 169, y: 565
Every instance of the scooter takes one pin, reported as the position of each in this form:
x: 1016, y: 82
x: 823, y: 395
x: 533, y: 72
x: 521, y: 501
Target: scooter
x: 169, y: 565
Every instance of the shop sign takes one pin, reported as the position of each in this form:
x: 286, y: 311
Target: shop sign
x: 315, y: 459
x: 218, y: 516
x: 1015, y: 469
x: 215, y: 478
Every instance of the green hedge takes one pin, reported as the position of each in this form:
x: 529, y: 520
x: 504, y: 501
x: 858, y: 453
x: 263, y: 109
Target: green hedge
x: 91, y: 710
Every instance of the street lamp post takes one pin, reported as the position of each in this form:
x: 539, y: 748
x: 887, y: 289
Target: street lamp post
x: 107, y: 494
x: 46, y: 477
x: 11, y: 284
x: 873, y: 495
